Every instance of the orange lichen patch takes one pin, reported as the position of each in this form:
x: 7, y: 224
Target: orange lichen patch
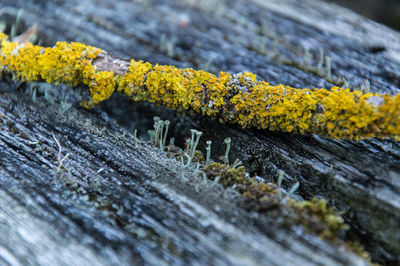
x: 181, y: 89
x: 3, y: 37
x: 68, y: 63
x: 337, y: 113
x: 102, y: 87
x: 240, y: 98
x: 131, y: 83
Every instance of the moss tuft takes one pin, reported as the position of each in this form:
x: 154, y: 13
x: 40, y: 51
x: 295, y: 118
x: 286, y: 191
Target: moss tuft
x: 228, y: 176
x: 323, y: 220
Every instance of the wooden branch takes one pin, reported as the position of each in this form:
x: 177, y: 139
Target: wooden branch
x: 240, y: 98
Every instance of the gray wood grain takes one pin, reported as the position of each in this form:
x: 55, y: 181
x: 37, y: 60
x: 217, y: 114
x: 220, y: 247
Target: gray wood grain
x: 268, y: 38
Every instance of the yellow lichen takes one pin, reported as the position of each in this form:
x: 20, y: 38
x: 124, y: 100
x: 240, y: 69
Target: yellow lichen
x: 132, y: 81
x: 102, y: 87
x: 63, y: 63
x: 241, y: 98
x: 3, y: 37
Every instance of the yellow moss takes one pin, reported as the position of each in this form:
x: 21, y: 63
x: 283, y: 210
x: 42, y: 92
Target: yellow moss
x: 241, y: 99
x: 315, y: 215
x: 259, y: 191
x: 228, y: 175
x: 330, y: 222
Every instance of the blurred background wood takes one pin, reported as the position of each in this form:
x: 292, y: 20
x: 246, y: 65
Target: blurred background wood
x: 383, y: 11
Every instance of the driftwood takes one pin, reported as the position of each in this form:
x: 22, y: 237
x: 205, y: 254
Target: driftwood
x: 122, y: 204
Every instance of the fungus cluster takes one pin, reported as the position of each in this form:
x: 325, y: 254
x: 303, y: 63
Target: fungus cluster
x: 240, y: 98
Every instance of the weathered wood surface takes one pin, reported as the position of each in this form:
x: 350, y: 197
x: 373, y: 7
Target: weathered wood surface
x: 264, y: 37
x: 141, y: 208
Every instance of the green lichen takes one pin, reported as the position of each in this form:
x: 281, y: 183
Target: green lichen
x: 315, y: 215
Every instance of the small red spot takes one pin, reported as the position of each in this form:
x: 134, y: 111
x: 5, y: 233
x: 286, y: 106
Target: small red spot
x: 183, y: 20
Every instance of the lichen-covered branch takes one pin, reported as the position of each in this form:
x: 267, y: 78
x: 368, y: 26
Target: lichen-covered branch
x: 240, y: 98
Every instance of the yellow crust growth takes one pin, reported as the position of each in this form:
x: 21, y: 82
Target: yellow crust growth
x: 64, y: 63
x: 241, y: 98
x: 101, y: 87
